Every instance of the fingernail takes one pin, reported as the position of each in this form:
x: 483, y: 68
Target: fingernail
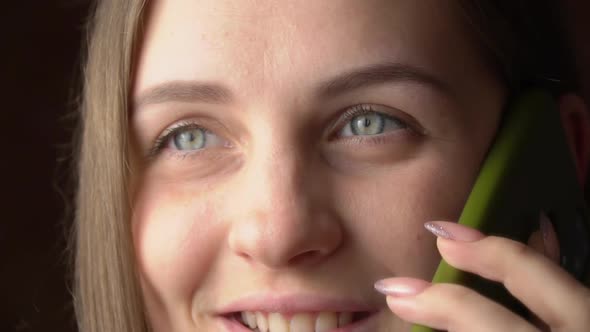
x: 550, y: 242
x: 401, y: 287
x: 453, y: 231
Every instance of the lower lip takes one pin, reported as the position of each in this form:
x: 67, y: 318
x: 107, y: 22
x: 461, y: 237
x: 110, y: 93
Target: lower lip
x: 365, y: 325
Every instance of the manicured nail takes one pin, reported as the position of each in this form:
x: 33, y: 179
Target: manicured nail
x: 550, y: 242
x: 453, y: 231
x: 401, y: 287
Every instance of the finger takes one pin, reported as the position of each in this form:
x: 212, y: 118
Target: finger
x: 550, y: 241
x: 543, y: 287
x: 450, y: 307
x: 545, y: 242
x: 536, y: 242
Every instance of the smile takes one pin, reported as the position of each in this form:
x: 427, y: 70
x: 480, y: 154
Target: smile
x: 299, y: 322
x: 298, y: 313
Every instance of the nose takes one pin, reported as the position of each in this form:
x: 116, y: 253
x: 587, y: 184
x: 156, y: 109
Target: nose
x: 283, y: 218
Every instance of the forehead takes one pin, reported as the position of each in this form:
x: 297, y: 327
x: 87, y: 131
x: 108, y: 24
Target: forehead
x: 251, y: 45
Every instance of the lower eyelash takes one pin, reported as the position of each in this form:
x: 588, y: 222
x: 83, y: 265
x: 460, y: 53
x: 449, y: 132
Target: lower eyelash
x: 161, y: 142
x: 378, y: 139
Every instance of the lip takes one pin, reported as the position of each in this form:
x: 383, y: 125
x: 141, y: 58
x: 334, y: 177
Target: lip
x: 299, y: 303
x: 296, y: 303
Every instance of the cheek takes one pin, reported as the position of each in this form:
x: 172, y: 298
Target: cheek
x: 386, y: 212
x: 177, y: 234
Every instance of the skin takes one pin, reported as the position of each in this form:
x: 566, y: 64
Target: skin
x: 281, y: 197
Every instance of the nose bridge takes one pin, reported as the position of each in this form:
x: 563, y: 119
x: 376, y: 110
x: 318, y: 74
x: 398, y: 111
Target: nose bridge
x: 276, y: 166
x: 279, y: 224
x: 282, y: 173
x: 278, y: 201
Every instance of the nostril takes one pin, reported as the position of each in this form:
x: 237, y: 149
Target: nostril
x: 244, y: 255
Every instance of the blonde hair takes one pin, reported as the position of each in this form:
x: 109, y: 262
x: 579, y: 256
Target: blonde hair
x: 107, y: 296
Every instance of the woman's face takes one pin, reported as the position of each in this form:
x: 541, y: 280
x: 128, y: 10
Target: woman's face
x: 288, y: 154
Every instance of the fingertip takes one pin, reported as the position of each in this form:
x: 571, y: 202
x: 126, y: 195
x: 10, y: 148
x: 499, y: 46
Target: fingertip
x: 401, y: 287
x: 453, y: 231
x: 549, y: 237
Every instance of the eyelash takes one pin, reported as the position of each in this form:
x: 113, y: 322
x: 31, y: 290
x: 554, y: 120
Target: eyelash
x: 352, y: 112
x: 358, y: 110
x: 164, y: 139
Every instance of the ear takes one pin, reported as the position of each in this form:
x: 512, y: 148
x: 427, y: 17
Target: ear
x: 575, y: 118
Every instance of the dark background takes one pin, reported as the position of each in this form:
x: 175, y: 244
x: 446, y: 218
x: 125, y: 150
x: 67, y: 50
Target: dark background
x: 39, y: 59
x: 39, y: 52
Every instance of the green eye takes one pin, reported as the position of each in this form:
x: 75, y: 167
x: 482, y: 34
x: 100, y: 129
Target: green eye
x: 189, y: 139
x: 367, y: 124
x: 371, y: 123
x: 185, y: 138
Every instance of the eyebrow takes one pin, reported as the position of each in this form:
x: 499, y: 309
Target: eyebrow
x: 205, y: 92
x: 389, y: 72
x: 184, y: 91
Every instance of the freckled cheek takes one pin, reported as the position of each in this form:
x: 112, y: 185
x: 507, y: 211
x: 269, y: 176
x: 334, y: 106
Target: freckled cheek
x: 177, y: 236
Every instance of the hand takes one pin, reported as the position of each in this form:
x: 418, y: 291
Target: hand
x: 555, y: 299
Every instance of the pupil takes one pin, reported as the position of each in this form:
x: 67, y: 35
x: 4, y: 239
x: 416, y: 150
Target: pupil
x: 189, y: 140
x: 367, y: 122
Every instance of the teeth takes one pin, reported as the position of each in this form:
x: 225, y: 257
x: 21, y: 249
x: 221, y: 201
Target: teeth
x: 303, y: 322
x: 249, y: 318
x: 261, y: 322
x: 344, y: 318
x: 326, y: 321
x: 277, y: 323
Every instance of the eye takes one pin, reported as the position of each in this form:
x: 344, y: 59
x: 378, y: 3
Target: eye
x: 189, y: 139
x: 186, y: 137
x: 365, y: 121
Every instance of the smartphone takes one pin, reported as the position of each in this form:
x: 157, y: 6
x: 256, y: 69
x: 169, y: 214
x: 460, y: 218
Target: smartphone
x: 529, y: 169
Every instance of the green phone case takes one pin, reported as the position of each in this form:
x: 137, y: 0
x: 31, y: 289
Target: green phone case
x: 528, y: 169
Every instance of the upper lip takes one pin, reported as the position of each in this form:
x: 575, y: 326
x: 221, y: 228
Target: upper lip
x: 295, y: 303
